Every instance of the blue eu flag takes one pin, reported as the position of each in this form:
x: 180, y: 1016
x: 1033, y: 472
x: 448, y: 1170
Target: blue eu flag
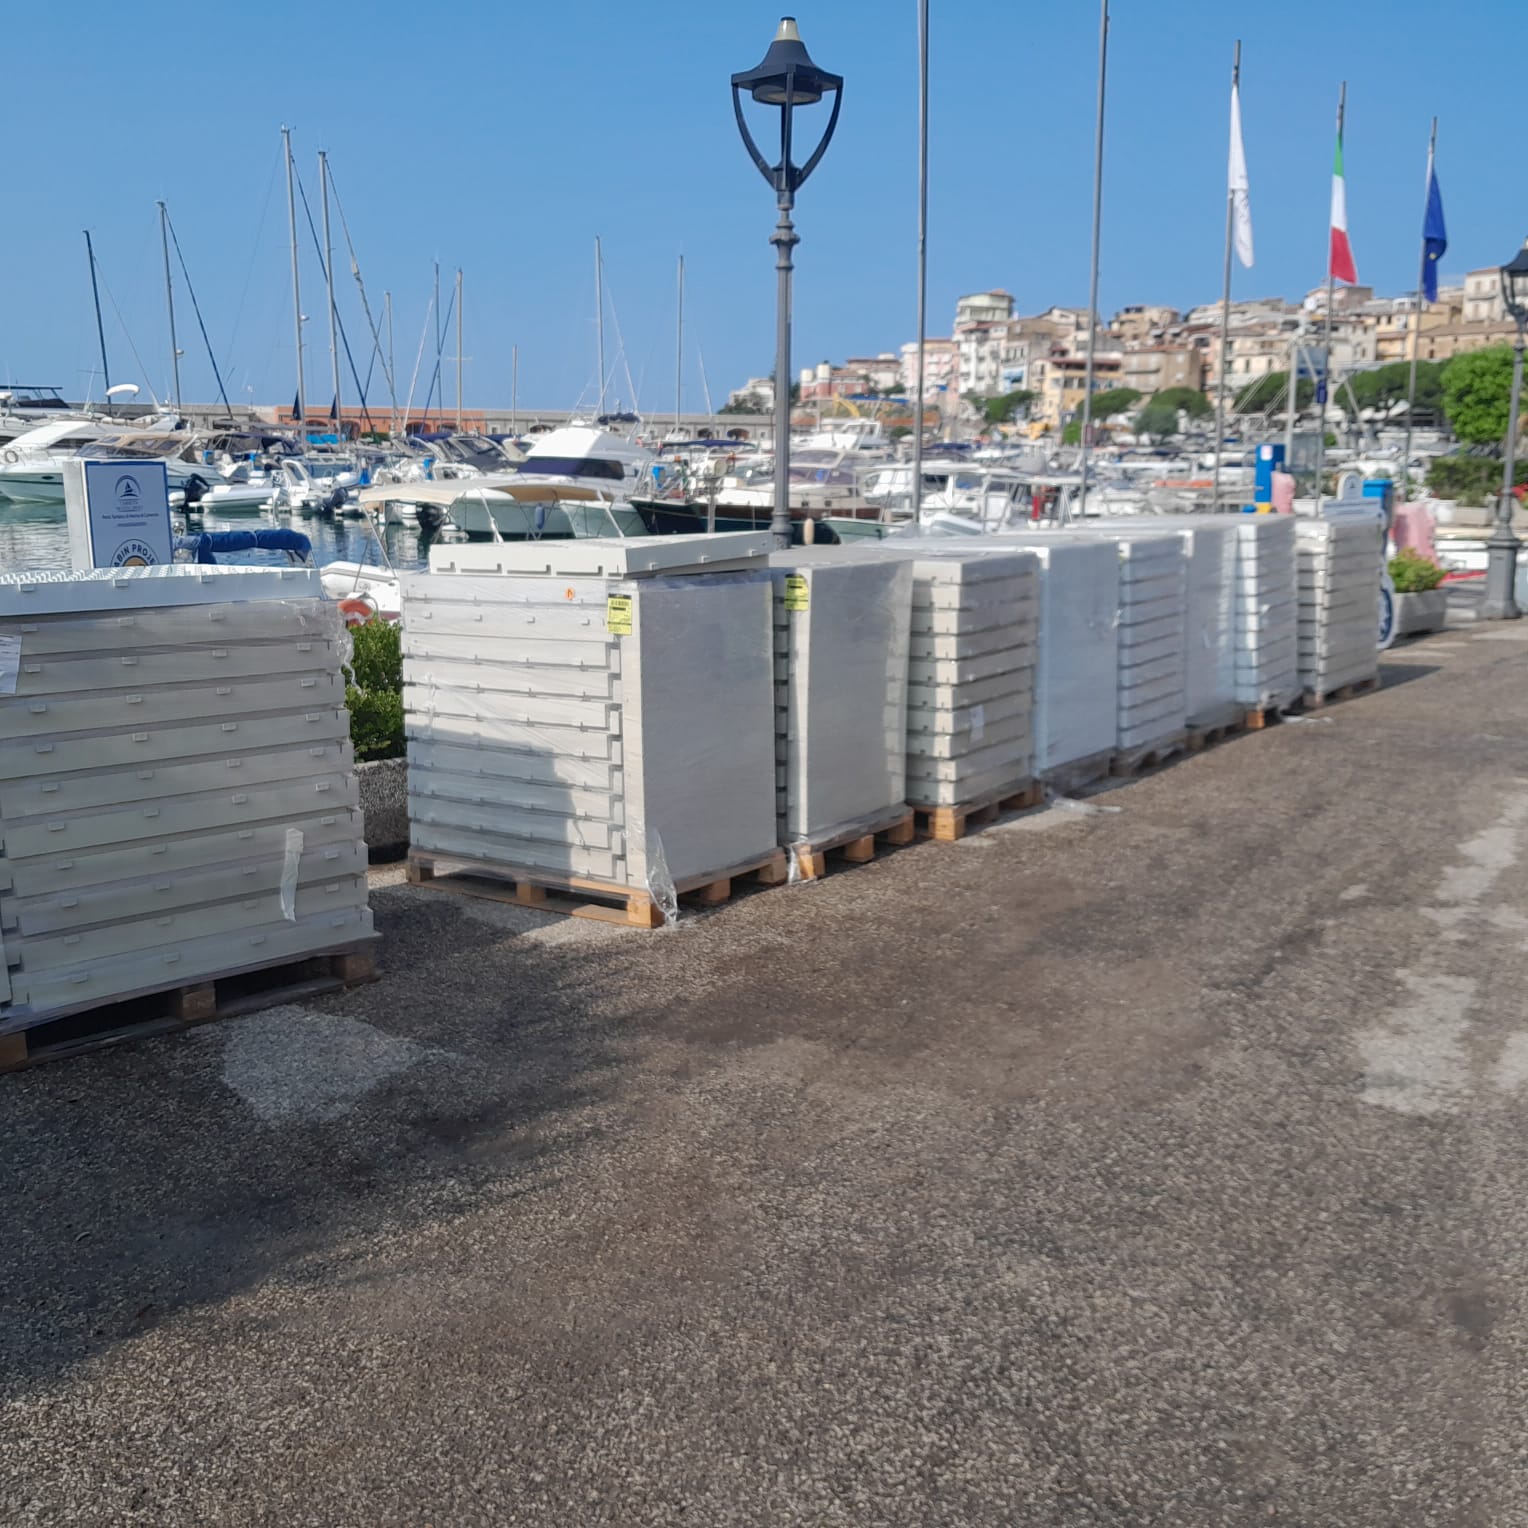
x: 1434, y: 237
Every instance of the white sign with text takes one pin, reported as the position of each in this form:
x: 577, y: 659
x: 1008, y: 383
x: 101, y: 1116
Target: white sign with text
x: 119, y: 514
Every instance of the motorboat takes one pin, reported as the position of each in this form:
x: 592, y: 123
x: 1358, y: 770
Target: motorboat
x: 31, y: 467
x: 533, y: 511
x: 586, y: 456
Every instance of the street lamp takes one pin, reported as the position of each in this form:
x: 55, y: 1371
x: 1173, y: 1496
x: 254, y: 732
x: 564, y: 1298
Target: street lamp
x: 1501, y: 571
x: 787, y: 78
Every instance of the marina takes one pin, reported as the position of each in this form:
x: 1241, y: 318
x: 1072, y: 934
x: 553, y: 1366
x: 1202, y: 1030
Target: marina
x: 923, y: 941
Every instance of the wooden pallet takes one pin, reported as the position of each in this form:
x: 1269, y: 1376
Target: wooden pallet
x: 73, y: 1032
x: 1260, y: 717
x: 1077, y: 774
x: 948, y: 823
x: 1202, y: 737
x: 1315, y: 699
x: 582, y: 896
x: 856, y: 846
x: 1129, y: 762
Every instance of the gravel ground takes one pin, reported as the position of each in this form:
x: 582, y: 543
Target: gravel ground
x: 1158, y: 1160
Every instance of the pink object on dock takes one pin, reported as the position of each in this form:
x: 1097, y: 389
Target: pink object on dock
x: 1413, y: 531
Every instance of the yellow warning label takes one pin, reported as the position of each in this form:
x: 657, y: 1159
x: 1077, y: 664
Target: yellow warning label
x: 795, y: 591
x: 618, y: 615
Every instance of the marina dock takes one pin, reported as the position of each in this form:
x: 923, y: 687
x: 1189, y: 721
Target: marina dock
x: 1187, y: 1192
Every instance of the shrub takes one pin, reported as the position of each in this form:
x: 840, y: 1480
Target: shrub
x: 374, y: 690
x: 1412, y: 573
x: 1470, y: 479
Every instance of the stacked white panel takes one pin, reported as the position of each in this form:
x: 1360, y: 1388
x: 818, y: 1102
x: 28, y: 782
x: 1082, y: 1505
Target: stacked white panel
x: 841, y: 630
x: 177, y: 791
x: 1209, y: 612
x: 619, y: 729
x: 971, y: 670
x: 1152, y: 702
x: 1077, y: 660
x: 1339, y: 569
x: 1265, y: 643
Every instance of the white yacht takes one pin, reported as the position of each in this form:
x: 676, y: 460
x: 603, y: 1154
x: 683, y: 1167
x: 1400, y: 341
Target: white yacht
x: 585, y: 456
x: 31, y: 467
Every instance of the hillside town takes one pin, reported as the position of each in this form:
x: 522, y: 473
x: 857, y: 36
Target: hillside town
x: 993, y: 352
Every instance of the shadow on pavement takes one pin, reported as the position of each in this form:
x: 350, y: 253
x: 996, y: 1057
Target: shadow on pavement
x: 177, y: 1172
x: 1392, y: 674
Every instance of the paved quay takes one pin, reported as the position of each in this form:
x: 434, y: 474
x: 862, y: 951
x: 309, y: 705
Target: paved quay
x: 1155, y: 1160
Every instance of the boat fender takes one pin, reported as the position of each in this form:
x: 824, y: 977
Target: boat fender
x: 359, y: 609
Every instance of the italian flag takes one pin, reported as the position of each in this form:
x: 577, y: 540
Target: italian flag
x: 1341, y: 266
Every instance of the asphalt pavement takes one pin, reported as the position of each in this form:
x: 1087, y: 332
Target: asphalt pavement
x: 1154, y: 1159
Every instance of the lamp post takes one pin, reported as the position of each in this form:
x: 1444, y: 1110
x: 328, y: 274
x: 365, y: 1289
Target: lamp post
x: 1501, y: 571
x: 787, y: 78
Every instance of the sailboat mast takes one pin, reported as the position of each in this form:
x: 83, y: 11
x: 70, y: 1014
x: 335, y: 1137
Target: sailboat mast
x: 1098, y: 203
x: 1416, y: 322
x: 169, y: 297
x: 387, y: 309
x: 514, y: 389
x: 679, y: 351
x: 458, y: 348
x: 1225, y: 311
x: 334, y: 343
x: 302, y: 402
x: 439, y: 346
x: 599, y: 315
x: 95, y: 292
x: 1324, y: 387
x: 919, y: 391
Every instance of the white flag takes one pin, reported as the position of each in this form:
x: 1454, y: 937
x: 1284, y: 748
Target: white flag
x: 1241, y: 204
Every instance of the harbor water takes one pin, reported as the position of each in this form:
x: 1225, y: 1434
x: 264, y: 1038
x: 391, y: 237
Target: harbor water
x: 34, y: 537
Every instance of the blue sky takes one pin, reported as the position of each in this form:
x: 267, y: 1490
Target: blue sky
x: 503, y: 137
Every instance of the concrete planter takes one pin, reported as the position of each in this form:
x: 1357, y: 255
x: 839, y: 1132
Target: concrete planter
x: 1418, y: 613
x: 384, y: 786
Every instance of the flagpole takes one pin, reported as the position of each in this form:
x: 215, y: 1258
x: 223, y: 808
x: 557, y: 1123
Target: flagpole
x: 919, y: 392
x: 1225, y: 307
x: 1331, y: 289
x: 1098, y: 194
x: 1416, y: 323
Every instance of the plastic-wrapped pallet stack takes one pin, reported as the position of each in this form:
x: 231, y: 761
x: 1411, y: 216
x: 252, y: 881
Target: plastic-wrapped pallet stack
x: 841, y: 643
x: 593, y: 711
x: 177, y: 793
x: 1077, y: 660
x: 1152, y: 700
x: 1339, y: 571
x: 971, y: 672
x: 1209, y: 610
x: 1075, y: 705
x: 1266, y: 643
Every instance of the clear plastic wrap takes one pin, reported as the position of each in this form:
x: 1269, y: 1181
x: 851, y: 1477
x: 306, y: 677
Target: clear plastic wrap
x: 574, y: 725
x: 176, y: 781
x: 841, y: 693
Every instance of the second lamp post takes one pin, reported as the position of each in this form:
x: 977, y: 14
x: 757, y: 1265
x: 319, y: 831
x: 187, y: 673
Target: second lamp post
x: 787, y: 78
x: 1501, y: 571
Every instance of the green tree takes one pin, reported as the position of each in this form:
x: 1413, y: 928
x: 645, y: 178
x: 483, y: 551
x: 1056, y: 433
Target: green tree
x: 1158, y: 419
x: 1071, y: 434
x: 1270, y: 392
x: 1001, y: 409
x: 749, y: 403
x: 1477, y: 388
x: 1189, y: 399
x: 1385, y: 386
x: 1114, y: 400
